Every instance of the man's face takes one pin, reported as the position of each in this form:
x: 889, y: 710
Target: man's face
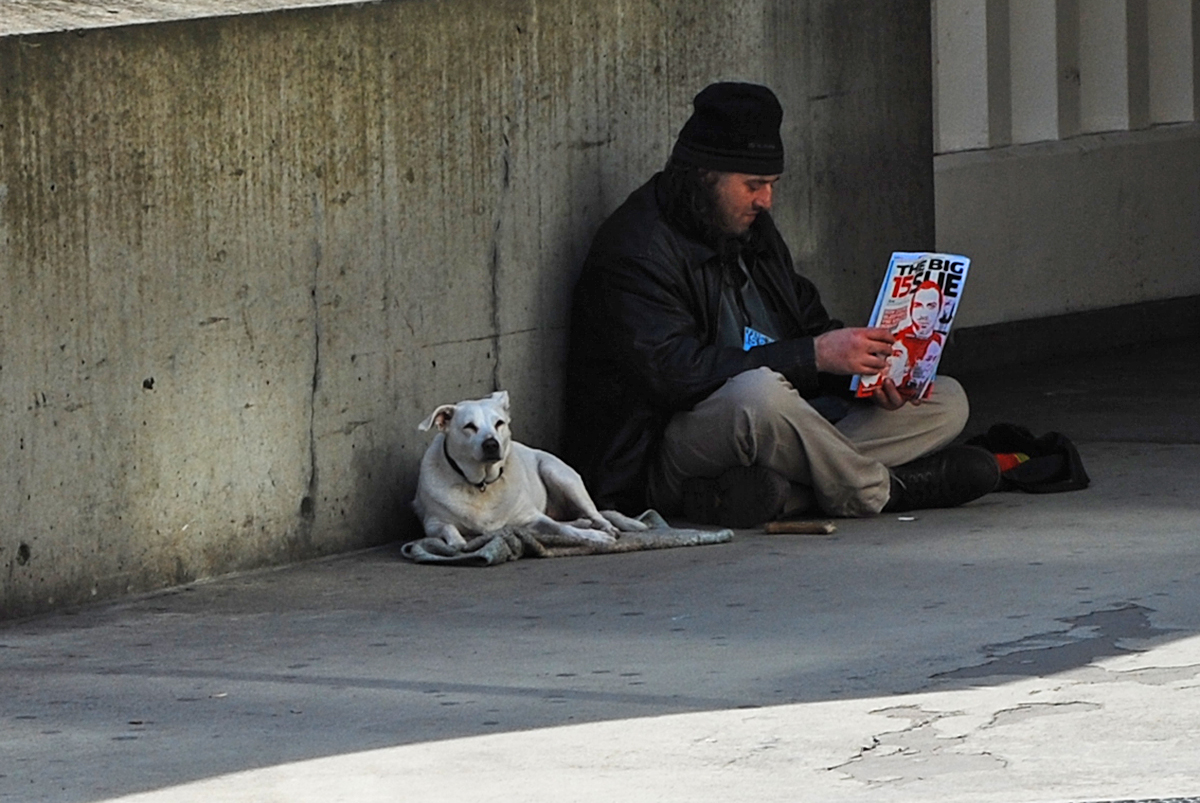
x: 924, y: 310
x: 740, y: 197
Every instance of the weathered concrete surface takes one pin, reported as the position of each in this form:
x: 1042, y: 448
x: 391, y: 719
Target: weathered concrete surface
x: 1082, y: 224
x: 44, y: 16
x: 244, y: 256
x: 1020, y: 648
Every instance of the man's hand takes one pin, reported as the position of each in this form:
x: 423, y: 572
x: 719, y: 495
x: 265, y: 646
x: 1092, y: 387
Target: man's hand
x: 887, y: 397
x: 862, y: 350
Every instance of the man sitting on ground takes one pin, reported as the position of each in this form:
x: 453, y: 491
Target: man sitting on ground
x: 705, y: 376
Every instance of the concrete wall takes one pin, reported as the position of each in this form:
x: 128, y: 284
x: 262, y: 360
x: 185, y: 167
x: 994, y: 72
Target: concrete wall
x: 243, y: 257
x: 1076, y: 225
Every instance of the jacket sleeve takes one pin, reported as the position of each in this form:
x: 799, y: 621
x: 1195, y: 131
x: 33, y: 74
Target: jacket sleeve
x: 648, y: 304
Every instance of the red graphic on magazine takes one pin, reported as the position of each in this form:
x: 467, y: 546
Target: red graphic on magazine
x: 917, y: 302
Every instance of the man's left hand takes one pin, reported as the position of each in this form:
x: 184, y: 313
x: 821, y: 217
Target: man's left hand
x: 889, y: 398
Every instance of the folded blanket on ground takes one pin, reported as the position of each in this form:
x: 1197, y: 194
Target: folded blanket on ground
x: 512, y: 543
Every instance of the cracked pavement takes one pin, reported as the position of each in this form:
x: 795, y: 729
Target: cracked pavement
x: 1021, y: 648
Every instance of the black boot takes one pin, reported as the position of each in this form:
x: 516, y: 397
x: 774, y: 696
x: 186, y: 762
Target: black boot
x: 742, y: 497
x: 948, y: 478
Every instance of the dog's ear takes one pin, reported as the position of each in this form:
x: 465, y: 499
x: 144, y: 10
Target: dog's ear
x: 438, y: 418
x: 501, y: 398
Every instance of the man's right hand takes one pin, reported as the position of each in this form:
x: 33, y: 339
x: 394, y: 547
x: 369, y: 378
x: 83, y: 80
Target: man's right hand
x: 861, y: 350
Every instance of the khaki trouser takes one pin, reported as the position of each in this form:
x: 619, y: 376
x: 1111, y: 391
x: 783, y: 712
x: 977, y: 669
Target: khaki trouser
x: 757, y: 418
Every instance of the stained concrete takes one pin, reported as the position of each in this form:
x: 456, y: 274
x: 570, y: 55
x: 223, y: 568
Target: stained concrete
x: 1023, y: 647
x: 24, y: 17
x: 244, y: 255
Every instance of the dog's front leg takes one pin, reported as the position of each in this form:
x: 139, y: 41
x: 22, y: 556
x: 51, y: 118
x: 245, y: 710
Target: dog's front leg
x: 566, y: 485
x: 548, y: 526
x: 445, y: 531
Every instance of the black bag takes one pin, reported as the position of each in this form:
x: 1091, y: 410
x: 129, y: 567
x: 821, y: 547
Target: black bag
x: 1053, y: 463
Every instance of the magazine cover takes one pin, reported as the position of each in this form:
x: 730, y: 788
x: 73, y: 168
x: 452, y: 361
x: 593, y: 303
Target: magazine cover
x: 917, y: 302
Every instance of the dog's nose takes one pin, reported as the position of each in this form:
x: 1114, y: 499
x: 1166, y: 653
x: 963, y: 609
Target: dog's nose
x: 491, y: 449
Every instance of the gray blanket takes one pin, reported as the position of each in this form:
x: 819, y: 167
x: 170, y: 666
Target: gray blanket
x: 512, y: 543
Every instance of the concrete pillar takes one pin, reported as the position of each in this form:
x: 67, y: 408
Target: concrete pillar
x: 1172, y: 26
x: 1044, y: 69
x: 1113, y: 65
x: 1067, y: 44
x: 1033, y: 38
x: 971, y: 74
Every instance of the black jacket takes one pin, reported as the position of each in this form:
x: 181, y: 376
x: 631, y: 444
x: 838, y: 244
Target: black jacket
x: 643, y: 328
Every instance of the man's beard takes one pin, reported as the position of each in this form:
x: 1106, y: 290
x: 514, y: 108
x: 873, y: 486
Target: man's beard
x: 693, y: 205
x: 722, y: 225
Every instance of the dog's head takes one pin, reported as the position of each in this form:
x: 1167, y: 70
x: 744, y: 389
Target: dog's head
x: 476, y: 432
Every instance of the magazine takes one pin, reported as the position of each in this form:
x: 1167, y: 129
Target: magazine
x: 917, y: 302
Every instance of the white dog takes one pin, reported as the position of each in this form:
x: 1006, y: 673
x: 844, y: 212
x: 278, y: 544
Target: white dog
x: 476, y: 479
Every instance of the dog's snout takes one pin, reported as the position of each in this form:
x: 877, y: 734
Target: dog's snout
x: 491, y: 449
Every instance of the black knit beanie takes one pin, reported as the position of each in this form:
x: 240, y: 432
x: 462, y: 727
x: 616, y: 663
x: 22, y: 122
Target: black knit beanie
x: 734, y: 129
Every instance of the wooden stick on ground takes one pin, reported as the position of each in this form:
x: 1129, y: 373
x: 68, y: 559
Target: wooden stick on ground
x: 799, y: 527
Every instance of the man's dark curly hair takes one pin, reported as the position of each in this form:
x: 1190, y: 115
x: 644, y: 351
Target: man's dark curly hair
x: 690, y: 199
x: 690, y: 204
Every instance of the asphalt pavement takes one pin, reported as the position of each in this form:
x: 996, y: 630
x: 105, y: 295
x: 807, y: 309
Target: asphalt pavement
x: 1020, y: 648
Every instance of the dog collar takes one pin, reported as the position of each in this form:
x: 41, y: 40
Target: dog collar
x: 481, y: 485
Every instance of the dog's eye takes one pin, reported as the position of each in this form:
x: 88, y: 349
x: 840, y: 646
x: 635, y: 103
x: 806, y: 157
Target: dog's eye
x: 470, y: 428
x: 499, y: 424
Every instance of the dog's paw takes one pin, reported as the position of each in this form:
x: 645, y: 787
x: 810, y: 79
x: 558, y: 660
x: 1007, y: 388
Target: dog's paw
x: 585, y: 523
x: 450, y: 536
x: 587, y: 530
x: 604, y: 525
x: 597, y: 536
x: 623, y: 523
